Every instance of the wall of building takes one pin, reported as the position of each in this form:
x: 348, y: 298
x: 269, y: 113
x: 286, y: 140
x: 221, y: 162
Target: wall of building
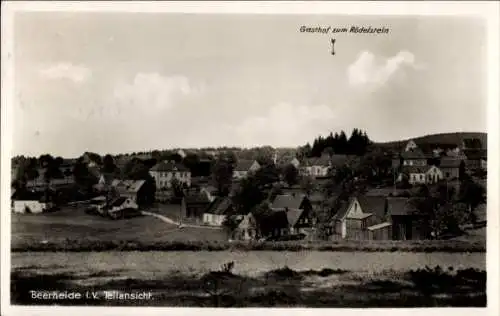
x: 34, y: 207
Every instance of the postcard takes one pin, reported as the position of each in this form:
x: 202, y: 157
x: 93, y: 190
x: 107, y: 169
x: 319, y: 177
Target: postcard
x: 280, y: 157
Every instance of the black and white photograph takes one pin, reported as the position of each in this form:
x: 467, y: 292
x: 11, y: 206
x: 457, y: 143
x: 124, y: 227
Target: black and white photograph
x: 247, y: 160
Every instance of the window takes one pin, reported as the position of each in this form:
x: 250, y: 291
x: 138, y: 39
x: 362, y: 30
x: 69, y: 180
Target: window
x: 421, y: 177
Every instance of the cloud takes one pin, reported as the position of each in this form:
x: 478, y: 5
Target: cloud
x: 367, y: 71
x: 75, y: 73
x: 284, y: 124
x: 152, y: 91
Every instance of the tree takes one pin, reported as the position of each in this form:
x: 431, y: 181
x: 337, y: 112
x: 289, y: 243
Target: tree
x: 307, y: 184
x: 266, y: 176
x: 261, y: 213
x: 249, y: 195
x: 177, y: 188
x: 229, y: 224
x: 472, y: 194
x: 108, y: 164
x: 291, y: 174
x: 222, y: 174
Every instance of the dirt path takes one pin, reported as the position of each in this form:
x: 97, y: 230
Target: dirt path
x: 171, y: 221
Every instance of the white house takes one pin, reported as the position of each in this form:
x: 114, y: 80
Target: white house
x: 421, y: 174
x: 411, y: 145
x: 30, y: 207
x: 165, y: 172
x: 245, y: 167
x: 317, y: 167
x: 217, y: 211
x: 122, y: 203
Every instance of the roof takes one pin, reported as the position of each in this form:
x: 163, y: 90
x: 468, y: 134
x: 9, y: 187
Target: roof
x: 384, y: 192
x: 448, y: 162
x: 400, y: 206
x: 293, y: 215
x: 220, y: 206
x: 169, y: 166
x: 360, y: 216
x: 317, y: 197
x: 379, y: 226
x: 323, y: 161
x: 288, y: 201
x: 128, y: 185
x: 341, y: 213
x: 416, y: 153
x: 373, y: 204
x: 197, y: 199
x: 210, y: 189
x: 244, y: 165
x: 247, y: 221
x: 118, y: 201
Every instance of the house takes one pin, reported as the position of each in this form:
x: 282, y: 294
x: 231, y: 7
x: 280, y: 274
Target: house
x: 245, y: 167
x: 104, y: 181
x: 484, y: 164
x: 406, y: 220
x: 414, y: 157
x: 297, y: 210
x: 210, y: 191
x: 217, y: 211
x: 136, y: 190
x: 246, y: 229
x: 411, y: 145
x: 361, y: 219
x: 473, y: 159
x: 31, y: 206
x: 316, y: 166
x: 164, y: 172
x: 122, y: 207
x: 193, y: 206
x: 450, y: 166
x: 181, y: 153
x: 421, y: 174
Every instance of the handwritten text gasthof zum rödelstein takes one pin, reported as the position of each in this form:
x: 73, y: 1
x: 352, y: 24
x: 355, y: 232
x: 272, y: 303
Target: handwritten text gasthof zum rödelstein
x: 354, y: 29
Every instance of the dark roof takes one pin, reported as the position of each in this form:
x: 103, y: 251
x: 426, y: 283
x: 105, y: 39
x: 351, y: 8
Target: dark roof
x: 342, y: 211
x: 324, y: 161
x: 118, y: 201
x: 220, y: 206
x: 400, y: 206
x: 244, y: 165
x: 413, y: 154
x: 288, y: 201
x: 197, y: 199
x: 448, y: 162
x: 169, y: 166
x: 375, y: 205
x: 293, y: 216
x: 316, y: 197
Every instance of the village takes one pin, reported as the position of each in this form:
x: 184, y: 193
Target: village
x: 409, y: 190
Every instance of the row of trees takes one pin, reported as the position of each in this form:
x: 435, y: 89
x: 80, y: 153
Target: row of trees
x: 356, y: 144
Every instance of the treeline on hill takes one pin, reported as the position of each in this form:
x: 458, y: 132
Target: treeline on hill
x: 356, y: 144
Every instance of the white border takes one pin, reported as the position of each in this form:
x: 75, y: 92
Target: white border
x: 486, y: 9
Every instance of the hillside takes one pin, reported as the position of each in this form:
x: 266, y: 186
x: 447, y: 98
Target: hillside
x: 442, y: 138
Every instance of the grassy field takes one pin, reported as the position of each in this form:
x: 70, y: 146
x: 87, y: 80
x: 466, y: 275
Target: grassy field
x: 281, y: 287
x: 73, y: 223
x: 71, y: 229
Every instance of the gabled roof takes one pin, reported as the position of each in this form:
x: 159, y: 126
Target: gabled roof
x: 220, y: 206
x: 400, y: 206
x: 342, y: 212
x: 293, y: 216
x: 323, y: 161
x: 416, y: 153
x: 168, y: 166
x: 118, y: 201
x: 373, y: 204
x: 197, y: 199
x: 244, y: 165
x: 128, y: 185
x: 247, y: 221
x: 288, y: 201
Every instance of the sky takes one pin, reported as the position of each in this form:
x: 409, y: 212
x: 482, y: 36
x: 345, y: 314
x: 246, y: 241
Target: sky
x: 124, y: 82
